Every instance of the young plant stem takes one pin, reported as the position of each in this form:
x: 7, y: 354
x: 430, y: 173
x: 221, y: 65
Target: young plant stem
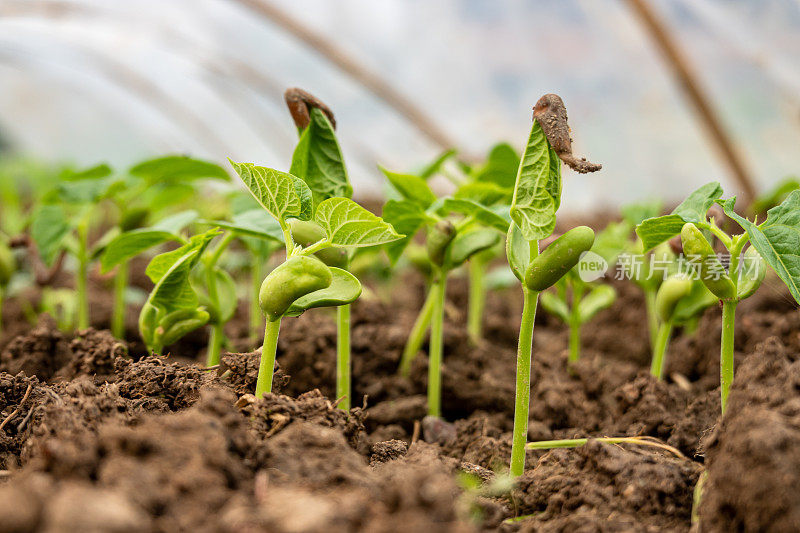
x: 652, y: 315
x: 256, y: 276
x: 523, y: 386
x: 2, y: 293
x: 217, y: 335
x: 417, y: 335
x: 118, y: 316
x: 575, y: 324
x: 82, y: 275
x: 214, y: 345
x: 343, y: 356
x: 477, y: 299
x: 439, y: 288
x: 726, y: 350
x: 659, y: 349
x: 267, y: 367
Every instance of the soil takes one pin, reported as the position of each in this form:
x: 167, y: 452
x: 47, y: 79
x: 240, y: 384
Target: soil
x: 98, y: 436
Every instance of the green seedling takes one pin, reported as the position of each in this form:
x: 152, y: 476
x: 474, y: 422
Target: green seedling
x: 150, y: 190
x: 303, y: 281
x: 317, y: 160
x: 537, y: 197
x: 173, y: 308
x: 457, y: 229
x: 577, y: 298
x: 773, y: 243
x: 262, y: 236
x: 63, y: 222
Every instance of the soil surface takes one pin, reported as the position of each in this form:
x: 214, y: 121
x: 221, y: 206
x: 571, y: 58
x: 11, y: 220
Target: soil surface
x: 98, y: 436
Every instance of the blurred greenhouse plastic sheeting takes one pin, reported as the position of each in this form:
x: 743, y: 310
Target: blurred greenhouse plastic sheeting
x: 93, y: 80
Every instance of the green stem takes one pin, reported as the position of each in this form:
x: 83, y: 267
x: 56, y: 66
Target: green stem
x: 118, y: 316
x: 439, y: 288
x: 575, y: 324
x: 2, y: 293
x: 82, y: 275
x: 417, y: 335
x: 267, y: 367
x: 255, y: 310
x: 652, y: 315
x: 659, y: 349
x: 726, y: 350
x: 343, y: 356
x: 477, y: 300
x: 214, y: 345
x: 523, y: 386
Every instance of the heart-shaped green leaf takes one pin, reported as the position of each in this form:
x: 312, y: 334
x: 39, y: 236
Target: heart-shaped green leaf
x: 318, y: 161
x: 537, y: 190
x: 276, y: 191
x: 777, y: 239
x: 344, y: 289
x: 347, y: 224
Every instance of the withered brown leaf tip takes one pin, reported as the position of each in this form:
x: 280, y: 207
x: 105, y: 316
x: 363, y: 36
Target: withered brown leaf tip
x: 551, y: 114
x: 300, y: 103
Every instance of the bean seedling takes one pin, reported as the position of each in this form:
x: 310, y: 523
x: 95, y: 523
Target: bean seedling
x: 303, y: 281
x: 457, y: 229
x: 537, y: 197
x: 773, y: 243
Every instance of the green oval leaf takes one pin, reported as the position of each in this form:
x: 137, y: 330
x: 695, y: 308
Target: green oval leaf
x: 131, y: 244
x: 176, y: 168
x: 49, y: 227
x: 412, y: 188
x: 406, y: 218
x: 554, y: 305
x: 274, y: 190
x: 599, y: 298
x: 348, y: 224
x: 654, y: 231
x: 344, y: 289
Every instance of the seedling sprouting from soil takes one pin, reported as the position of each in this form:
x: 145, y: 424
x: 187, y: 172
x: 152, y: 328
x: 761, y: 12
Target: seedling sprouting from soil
x: 303, y: 281
x: 577, y: 299
x: 773, y: 243
x: 537, y: 196
x: 173, y: 308
x: 318, y: 162
x: 457, y: 230
x: 8, y: 266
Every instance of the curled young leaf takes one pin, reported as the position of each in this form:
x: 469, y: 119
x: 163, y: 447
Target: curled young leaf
x: 481, y: 214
